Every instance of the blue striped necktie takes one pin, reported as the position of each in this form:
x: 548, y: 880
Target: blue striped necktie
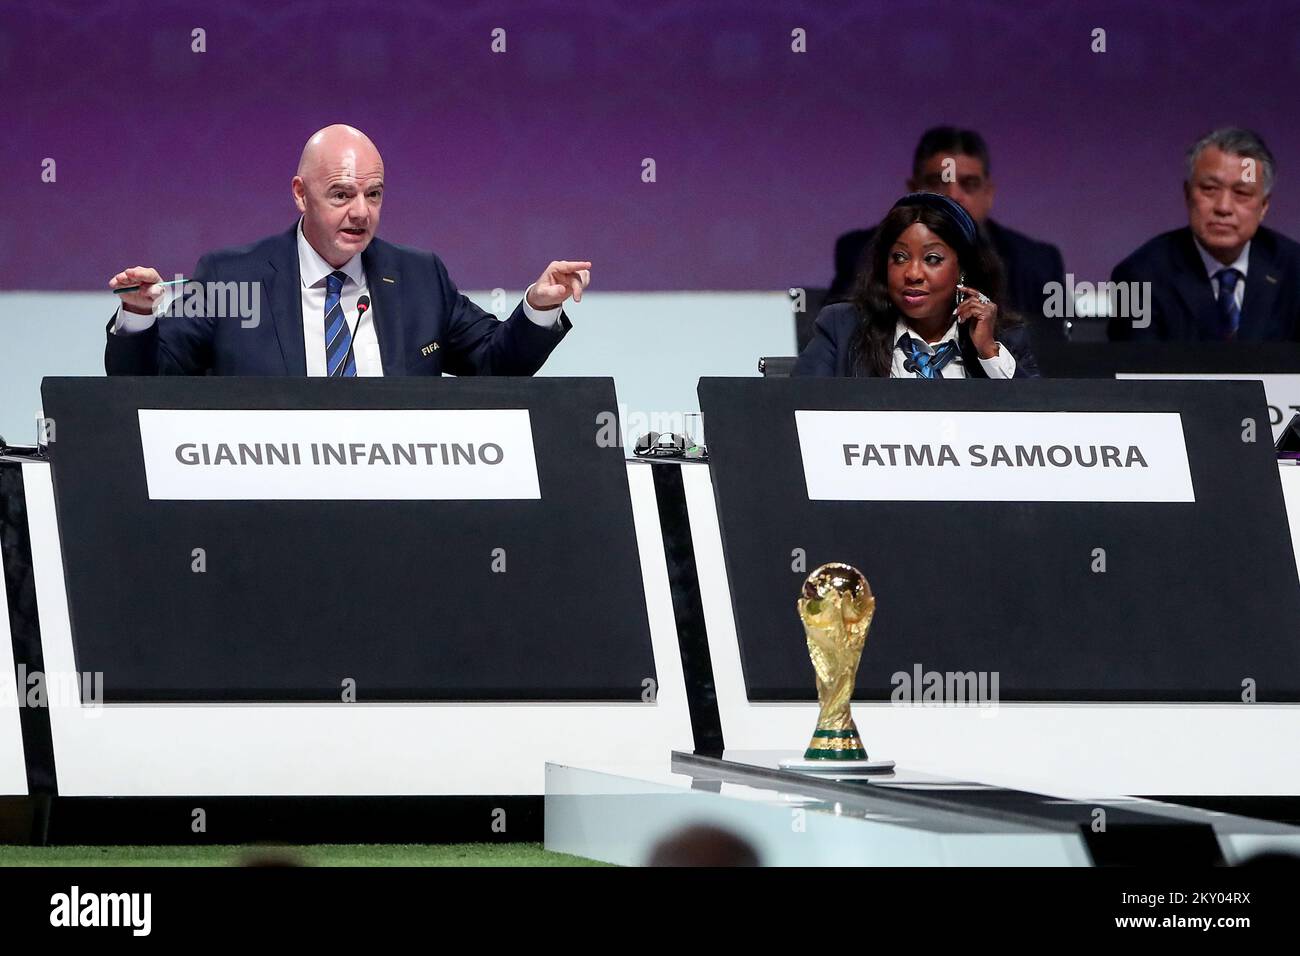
x: 339, y: 360
x: 921, y: 362
x: 1229, y: 313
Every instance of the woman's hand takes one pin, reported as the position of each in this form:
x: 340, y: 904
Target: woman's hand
x: 980, y: 315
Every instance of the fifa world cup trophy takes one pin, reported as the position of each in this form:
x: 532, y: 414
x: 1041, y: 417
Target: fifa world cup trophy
x: 836, y: 606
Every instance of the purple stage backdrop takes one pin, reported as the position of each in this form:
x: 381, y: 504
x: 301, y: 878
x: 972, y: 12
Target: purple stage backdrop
x: 502, y: 161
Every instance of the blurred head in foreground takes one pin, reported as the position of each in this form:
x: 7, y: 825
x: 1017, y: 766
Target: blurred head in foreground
x: 703, y: 845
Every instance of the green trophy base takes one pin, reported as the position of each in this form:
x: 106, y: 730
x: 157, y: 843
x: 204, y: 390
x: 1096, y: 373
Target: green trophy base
x: 837, y: 745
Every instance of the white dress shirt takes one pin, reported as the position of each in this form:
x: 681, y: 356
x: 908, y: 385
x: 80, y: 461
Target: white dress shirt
x: 1002, y: 365
x: 313, y: 271
x: 365, y: 342
x: 1213, y: 265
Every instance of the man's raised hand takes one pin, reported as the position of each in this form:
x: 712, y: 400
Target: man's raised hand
x: 558, y: 281
x: 141, y: 301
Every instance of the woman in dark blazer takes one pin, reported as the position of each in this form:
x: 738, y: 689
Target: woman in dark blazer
x: 928, y: 306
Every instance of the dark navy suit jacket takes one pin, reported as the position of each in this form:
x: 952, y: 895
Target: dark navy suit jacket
x: 1027, y: 265
x: 829, y: 354
x: 1183, y: 308
x: 416, y: 306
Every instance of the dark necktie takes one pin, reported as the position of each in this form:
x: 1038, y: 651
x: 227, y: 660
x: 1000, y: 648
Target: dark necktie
x: 338, y: 337
x: 1229, y: 313
x: 923, y: 363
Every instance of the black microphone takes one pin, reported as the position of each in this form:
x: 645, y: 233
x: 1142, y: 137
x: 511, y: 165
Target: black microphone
x: 909, y: 364
x: 363, y: 306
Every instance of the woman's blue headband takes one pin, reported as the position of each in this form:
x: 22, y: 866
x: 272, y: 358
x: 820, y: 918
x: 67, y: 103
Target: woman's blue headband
x: 949, y: 208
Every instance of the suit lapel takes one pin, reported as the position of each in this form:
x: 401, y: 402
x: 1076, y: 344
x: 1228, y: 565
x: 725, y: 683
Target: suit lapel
x: 1192, y: 285
x: 384, y: 281
x: 1262, y: 281
x: 284, y: 298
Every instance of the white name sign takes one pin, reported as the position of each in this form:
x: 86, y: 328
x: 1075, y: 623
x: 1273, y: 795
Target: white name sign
x: 317, y: 454
x: 994, y: 456
x: 1281, y: 391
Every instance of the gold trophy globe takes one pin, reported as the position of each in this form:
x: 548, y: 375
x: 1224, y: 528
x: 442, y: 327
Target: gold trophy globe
x: 836, y: 606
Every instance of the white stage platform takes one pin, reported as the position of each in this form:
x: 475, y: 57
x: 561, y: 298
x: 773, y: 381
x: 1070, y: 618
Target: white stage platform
x: 618, y: 811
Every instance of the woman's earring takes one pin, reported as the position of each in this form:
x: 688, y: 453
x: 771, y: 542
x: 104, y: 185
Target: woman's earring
x: 961, y: 280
